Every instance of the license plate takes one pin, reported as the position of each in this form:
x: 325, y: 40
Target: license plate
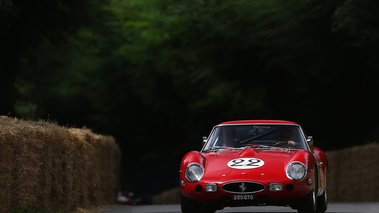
x: 243, y: 197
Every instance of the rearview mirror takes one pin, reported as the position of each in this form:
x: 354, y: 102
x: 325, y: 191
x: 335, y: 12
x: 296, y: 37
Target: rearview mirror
x: 310, y: 141
x: 204, y: 140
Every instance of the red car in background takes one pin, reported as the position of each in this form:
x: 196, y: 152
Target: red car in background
x: 252, y: 163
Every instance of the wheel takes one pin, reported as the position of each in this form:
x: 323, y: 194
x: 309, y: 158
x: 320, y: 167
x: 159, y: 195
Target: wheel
x: 322, y: 202
x: 192, y: 206
x: 189, y: 206
x: 308, y: 204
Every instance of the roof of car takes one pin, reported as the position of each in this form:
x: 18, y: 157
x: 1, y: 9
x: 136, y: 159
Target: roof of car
x: 258, y: 122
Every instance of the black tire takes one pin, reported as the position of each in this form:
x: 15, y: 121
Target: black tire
x: 308, y: 204
x: 322, y: 202
x: 191, y: 206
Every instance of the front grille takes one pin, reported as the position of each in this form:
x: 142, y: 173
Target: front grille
x: 243, y: 187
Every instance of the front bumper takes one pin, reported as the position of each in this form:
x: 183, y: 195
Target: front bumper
x: 241, y: 195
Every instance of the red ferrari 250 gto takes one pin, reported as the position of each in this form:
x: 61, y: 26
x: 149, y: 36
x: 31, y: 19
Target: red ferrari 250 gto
x: 254, y: 162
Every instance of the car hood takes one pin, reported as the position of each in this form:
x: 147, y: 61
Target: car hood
x: 254, y: 163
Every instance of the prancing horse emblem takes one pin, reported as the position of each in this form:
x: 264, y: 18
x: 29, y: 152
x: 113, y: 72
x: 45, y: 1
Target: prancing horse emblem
x: 242, y: 187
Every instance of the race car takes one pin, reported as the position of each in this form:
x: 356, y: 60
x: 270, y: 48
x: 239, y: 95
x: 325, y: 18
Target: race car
x: 254, y: 163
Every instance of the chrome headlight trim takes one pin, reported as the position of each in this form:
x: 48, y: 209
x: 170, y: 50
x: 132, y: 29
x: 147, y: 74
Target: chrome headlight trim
x: 299, y: 169
x: 194, y: 172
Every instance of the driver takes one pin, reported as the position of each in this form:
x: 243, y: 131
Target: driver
x: 286, y: 136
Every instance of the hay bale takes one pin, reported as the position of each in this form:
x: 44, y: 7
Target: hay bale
x: 171, y: 196
x: 101, y: 167
x: 353, y: 174
x: 48, y: 166
x: 6, y: 168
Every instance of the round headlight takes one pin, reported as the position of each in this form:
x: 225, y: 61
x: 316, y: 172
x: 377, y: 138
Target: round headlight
x: 194, y: 172
x: 296, y: 171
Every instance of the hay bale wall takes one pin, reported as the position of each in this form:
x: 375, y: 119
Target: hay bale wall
x: 44, y: 165
x: 353, y: 174
x: 171, y: 196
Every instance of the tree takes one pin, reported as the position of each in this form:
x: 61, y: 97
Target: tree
x: 24, y: 26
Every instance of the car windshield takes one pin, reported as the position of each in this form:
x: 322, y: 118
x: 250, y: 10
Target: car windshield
x: 256, y: 136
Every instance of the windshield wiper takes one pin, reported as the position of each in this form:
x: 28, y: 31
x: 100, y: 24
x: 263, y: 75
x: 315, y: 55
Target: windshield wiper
x: 215, y: 148
x: 266, y: 146
x: 258, y: 146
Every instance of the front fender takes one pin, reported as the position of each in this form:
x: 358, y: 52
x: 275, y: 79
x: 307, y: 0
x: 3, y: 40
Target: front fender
x: 192, y: 157
x: 322, y: 167
x: 321, y: 157
x: 305, y: 157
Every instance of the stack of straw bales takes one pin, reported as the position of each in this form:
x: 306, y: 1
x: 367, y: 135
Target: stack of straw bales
x: 44, y: 165
x: 353, y: 174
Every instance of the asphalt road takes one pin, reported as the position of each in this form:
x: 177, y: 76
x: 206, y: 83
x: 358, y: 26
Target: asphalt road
x: 333, y: 208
